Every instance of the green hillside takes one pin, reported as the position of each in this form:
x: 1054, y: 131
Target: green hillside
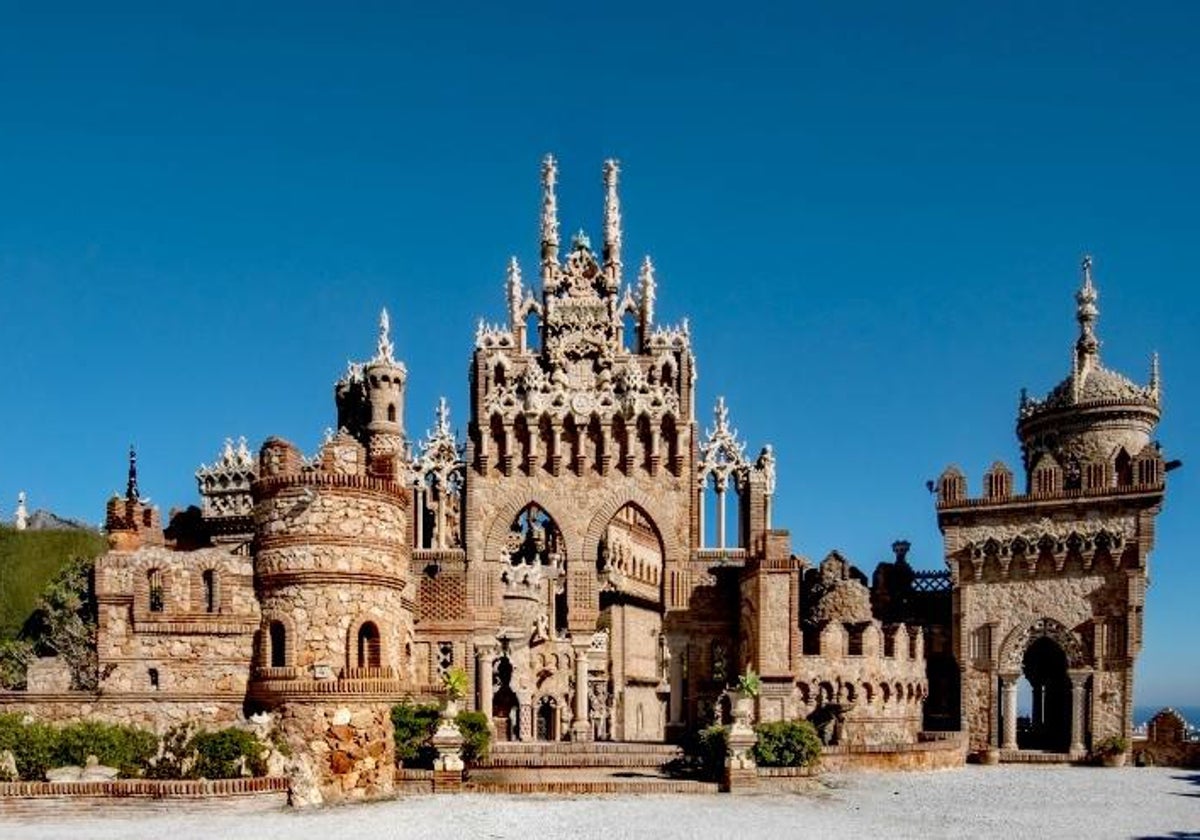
x: 28, y: 559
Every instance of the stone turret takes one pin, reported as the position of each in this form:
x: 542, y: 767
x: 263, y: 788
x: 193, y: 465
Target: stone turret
x: 131, y: 521
x: 1095, y: 414
x: 385, y: 379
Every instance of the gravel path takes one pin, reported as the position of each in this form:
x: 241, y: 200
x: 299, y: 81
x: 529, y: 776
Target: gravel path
x: 1007, y: 802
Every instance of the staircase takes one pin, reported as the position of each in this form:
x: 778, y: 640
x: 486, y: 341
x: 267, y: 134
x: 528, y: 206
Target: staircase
x: 574, y: 767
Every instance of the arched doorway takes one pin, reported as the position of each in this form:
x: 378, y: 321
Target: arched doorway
x: 505, y: 707
x: 1045, y: 724
x: 547, y: 720
x: 368, y: 645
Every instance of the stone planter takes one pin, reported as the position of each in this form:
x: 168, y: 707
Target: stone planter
x: 1113, y: 759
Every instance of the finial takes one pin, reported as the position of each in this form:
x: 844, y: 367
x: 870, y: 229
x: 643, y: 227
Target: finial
x: 612, y: 218
x: 721, y: 414
x: 549, y: 213
x: 1155, y: 376
x: 384, y: 349
x: 131, y: 486
x: 243, y: 452
x: 1087, y: 348
x: 647, y: 291
x: 514, y: 293
x: 443, y: 417
x: 580, y: 241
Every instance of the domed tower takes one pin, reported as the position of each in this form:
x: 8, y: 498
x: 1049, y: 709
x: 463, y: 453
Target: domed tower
x: 331, y: 565
x: 1048, y: 586
x: 1094, y: 416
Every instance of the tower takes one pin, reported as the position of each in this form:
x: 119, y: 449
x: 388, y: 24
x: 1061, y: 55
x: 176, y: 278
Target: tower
x: 1049, y: 584
x: 331, y: 567
x: 21, y: 517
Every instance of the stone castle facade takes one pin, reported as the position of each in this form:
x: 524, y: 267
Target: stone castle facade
x: 603, y: 565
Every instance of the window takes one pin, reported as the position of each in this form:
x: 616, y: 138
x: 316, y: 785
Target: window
x: 391, y: 412
x: 854, y: 639
x: 154, y: 578
x: 209, y: 581
x: 278, y: 645
x: 368, y: 646
x: 154, y: 678
x: 812, y: 640
x: 445, y: 657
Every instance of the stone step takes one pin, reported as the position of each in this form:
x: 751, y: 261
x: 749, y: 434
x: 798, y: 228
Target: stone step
x: 621, y: 787
x: 1036, y: 757
x: 580, y: 754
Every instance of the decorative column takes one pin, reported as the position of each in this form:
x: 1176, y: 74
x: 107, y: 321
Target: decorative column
x: 1008, y: 700
x: 700, y: 508
x: 720, y: 487
x: 486, y: 655
x: 581, y: 727
x: 1078, y: 689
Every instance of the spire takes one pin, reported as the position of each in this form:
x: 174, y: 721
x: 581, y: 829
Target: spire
x: 514, y: 293
x: 443, y: 418
x: 647, y: 292
x: 612, y: 219
x: 385, y: 350
x: 549, y: 215
x: 1155, y: 377
x: 1086, y: 312
x: 131, y: 486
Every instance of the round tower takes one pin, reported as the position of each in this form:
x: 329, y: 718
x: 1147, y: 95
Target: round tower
x: 332, y: 572
x: 384, y: 379
x: 1093, y: 417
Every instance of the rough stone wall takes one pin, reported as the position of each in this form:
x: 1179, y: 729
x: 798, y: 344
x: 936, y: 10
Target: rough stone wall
x: 348, y: 745
x: 134, y: 709
x: 193, y: 651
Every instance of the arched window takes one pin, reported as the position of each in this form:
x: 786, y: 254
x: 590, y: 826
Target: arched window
x: 154, y: 578
x: 153, y: 674
x: 391, y: 412
x: 368, y: 645
x: 209, y: 579
x: 278, y: 644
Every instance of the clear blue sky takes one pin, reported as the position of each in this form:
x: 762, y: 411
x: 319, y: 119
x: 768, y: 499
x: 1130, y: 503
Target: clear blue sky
x: 873, y: 219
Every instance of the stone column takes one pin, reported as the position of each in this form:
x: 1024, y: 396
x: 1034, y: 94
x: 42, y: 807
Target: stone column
x: 700, y: 511
x: 1008, y: 699
x: 486, y: 655
x: 1078, y: 688
x: 721, y: 513
x: 581, y: 727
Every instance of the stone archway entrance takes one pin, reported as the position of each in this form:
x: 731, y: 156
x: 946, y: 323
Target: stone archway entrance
x: 1050, y: 657
x: 1048, y: 724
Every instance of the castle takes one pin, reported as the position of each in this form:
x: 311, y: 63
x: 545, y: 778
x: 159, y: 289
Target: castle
x: 603, y: 564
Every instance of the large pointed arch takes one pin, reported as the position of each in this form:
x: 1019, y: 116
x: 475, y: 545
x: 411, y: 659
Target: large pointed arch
x: 663, y: 522
x: 502, y: 520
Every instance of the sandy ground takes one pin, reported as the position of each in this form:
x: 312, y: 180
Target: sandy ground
x: 1007, y: 802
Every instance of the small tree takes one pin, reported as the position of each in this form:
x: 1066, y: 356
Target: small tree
x: 454, y: 681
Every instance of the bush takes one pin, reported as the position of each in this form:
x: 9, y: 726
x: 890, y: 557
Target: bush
x: 414, y: 727
x: 786, y: 743
x: 1110, y: 746
x: 476, y: 737
x: 175, y: 756
x: 124, y: 747
x: 711, y: 747
x: 32, y: 744
x: 227, y: 754
x: 15, y: 656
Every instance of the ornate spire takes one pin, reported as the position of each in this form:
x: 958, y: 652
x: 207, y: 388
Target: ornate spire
x: 131, y: 486
x: 612, y: 219
x: 384, y: 349
x: 443, y: 417
x: 549, y: 215
x: 721, y: 453
x: 647, y: 292
x: 1155, y: 386
x: 1086, y: 311
x: 514, y: 293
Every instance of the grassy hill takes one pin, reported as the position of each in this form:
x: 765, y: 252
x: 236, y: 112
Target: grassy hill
x: 28, y: 559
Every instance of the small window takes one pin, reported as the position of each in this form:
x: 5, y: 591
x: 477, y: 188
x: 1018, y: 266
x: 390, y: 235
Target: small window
x: 368, y: 646
x: 154, y: 678
x: 391, y: 412
x: 157, y: 596
x: 812, y: 640
x: 278, y: 645
x: 445, y: 657
x: 209, y: 580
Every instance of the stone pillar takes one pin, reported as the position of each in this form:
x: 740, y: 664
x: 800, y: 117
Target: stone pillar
x: 741, y: 773
x: 419, y: 510
x: 447, y: 740
x: 581, y: 728
x: 1078, y: 687
x: 1008, y: 699
x: 700, y: 514
x: 486, y: 655
x: 721, y: 513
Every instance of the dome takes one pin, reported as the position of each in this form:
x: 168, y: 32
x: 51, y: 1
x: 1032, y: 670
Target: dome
x: 1099, y: 384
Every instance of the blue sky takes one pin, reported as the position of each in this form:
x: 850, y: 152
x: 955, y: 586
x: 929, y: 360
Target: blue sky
x: 872, y: 215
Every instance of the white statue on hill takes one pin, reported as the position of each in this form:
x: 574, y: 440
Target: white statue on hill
x: 21, y: 519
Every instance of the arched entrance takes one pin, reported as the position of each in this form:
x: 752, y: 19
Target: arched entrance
x: 505, y: 710
x: 1045, y: 662
x: 1046, y: 723
x: 547, y: 720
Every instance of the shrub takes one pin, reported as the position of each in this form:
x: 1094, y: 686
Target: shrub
x: 1110, y: 746
x: 175, y: 757
x: 227, y: 754
x: 414, y: 727
x: 455, y: 683
x: 711, y: 747
x: 32, y: 744
x: 749, y: 684
x: 124, y: 747
x: 15, y: 656
x: 476, y: 737
x: 786, y: 743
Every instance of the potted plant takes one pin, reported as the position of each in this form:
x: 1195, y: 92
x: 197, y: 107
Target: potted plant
x: 454, y: 681
x: 1112, y: 750
x: 748, y: 687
